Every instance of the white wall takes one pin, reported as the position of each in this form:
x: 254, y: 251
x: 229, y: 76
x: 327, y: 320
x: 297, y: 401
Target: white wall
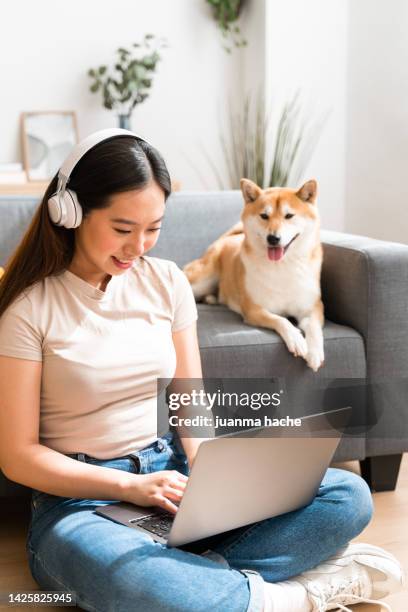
x: 377, y: 128
x: 46, y: 48
x: 348, y: 57
x: 306, y: 44
x: 253, y: 59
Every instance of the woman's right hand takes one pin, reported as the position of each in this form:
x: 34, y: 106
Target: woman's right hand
x: 157, y: 489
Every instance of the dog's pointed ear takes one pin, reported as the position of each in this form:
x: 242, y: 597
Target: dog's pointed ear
x: 250, y: 190
x: 308, y: 192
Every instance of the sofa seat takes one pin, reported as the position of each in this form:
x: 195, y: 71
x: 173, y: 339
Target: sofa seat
x: 231, y: 348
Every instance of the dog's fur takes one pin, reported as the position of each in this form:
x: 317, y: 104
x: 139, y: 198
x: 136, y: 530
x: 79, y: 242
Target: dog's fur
x: 263, y: 283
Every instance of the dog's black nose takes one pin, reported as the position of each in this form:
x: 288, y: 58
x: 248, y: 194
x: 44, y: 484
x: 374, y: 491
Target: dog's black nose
x: 272, y: 239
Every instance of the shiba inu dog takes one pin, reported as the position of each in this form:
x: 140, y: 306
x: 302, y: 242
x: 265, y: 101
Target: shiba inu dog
x: 267, y: 267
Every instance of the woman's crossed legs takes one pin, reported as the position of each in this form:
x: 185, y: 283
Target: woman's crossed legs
x: 110, y: 567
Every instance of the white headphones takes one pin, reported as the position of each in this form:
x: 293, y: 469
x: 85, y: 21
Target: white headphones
x: 64, y: 207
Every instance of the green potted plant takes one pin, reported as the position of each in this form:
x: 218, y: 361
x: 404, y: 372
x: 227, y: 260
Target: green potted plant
x: 226, y: 13
x: 128, y: 81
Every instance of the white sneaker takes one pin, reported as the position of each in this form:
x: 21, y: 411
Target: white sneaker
x: 358, y: 573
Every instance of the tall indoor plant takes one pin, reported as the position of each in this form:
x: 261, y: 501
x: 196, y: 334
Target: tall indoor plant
x: 128, y: 81
x: 271, y: 153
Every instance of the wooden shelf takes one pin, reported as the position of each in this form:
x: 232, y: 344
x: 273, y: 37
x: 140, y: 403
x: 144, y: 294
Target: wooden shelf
x: 35, y: 188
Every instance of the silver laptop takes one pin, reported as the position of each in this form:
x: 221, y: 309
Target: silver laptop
x: 237, y: 480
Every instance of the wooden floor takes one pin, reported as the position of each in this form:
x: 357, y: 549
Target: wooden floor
x: 389, y: 529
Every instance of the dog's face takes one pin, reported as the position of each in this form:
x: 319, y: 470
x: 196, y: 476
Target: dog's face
x: 277, y: 220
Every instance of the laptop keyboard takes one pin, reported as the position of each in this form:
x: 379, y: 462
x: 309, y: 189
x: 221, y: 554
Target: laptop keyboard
x: 159, y: 524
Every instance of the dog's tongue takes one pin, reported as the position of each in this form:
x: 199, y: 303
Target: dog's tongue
x: 275, y: 253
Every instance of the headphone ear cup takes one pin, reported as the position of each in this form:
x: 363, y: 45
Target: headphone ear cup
x: 54, y: 209
x: 65, y: 209
x: 73, y: 209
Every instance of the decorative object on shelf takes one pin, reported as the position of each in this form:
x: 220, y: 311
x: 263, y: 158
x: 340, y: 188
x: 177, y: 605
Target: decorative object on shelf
x: 226, y: 13
x: 270, y: 154
x: 127, y: 83
x: 48, y: 137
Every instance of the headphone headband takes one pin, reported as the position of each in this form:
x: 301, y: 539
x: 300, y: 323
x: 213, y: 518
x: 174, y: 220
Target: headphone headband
x: 63, y: 207
x: 86, y: 145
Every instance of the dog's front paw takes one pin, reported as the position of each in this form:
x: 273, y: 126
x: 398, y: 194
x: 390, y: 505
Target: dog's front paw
x: 295, y: 341
x: 315, y: 358
x: 210, y: 299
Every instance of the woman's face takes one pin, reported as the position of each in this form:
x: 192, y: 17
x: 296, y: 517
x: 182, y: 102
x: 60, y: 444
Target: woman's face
x: 125, y: 230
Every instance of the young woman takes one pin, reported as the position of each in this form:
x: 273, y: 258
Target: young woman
x: 88, y: 323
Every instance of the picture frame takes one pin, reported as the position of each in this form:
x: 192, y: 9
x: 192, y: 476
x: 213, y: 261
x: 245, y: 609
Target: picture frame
x: 47, y: 139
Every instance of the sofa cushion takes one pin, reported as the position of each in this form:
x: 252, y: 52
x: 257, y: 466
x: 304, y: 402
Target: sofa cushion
x: 228, y: 345
x: 193, y: 221
x: 15, y: 216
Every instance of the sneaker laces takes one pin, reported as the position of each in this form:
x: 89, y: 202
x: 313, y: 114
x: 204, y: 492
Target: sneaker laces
x: 359, y: 599
x: 328, y: 596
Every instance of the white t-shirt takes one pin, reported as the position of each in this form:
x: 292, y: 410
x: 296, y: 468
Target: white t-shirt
x: 102, y: 352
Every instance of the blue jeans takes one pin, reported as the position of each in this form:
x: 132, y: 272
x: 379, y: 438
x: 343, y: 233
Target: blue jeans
x: 112, y: 568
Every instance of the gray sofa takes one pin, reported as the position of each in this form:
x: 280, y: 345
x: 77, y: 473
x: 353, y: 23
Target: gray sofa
x: 365, y: 292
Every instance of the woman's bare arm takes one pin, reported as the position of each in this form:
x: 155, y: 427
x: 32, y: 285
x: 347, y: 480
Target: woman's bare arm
x: 24, y: 460
x: 188, y: 367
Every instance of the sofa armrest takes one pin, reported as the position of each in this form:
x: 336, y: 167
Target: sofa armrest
x: 365, y: 286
